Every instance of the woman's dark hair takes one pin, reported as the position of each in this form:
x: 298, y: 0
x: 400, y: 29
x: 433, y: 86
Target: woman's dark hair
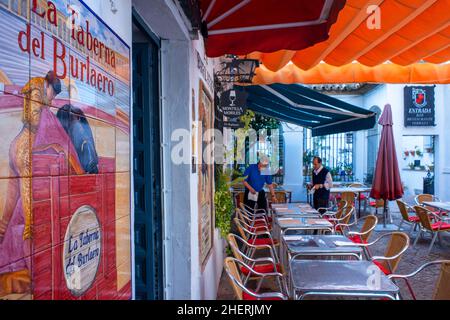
x: 53, y: 80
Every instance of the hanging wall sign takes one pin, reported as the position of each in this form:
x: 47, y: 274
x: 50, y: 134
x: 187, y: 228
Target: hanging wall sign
x: 419, y: 106
x: 82, y: 248
x: 233, y: 103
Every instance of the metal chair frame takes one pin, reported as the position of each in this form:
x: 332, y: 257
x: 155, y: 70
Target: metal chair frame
x: 364, y: 235
x: 420, y: 269
x: 407, y: 208
x: 239, y: 287
x: 252, y: 262
x: 436, y: 234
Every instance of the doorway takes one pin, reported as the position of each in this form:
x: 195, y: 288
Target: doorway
x: 147, y: 164
x: 418, y: 163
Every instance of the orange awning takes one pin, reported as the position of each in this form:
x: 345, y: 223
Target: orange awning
x: 411, y: 31
x: 420, y: 73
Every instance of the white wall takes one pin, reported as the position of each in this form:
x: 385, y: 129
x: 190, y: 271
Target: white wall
x: 205, y: 282
x: 394, y: 95
x: 444, y: 148
x: 123, y: 14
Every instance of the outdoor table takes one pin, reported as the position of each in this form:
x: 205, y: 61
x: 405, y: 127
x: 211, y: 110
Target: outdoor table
x: 340, y: 278
x: 317, y: 246
x: 294, y: 209
x: 299, y: 224
x: 336, y: 184
x: 304, y: 224
x: 320, y: 245
x: 356, y: 190
x: 441, y: 206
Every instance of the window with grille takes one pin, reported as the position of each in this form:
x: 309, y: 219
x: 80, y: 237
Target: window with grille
x: 336, y: 151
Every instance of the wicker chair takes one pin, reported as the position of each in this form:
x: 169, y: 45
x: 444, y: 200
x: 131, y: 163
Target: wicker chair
x: 362, y: 197
x: 255, y: 213
x: 254, y: 223
x: 239, y: 198
x: 281, y: 197
x: 348, y: 197
x: 428, y: 226
x: 328, y: 213
x: 424, y: 197
x: 370, y: 222
x: 255, y: 237
x: 264, y: 265
x: 421, y: 198
x: 376, y: 204
x: 442, y: 287
x: 398, y: 244
x: 413, y: 221
x: 240, y: 290
x: 342, y: 220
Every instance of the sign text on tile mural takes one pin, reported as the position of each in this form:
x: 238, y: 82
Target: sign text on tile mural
x: 63, y: 61
x: 82, y: 250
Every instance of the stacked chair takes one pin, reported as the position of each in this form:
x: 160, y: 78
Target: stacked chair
x: 254, y: 256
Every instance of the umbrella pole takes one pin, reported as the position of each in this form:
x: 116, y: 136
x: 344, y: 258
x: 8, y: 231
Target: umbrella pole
x: 384, y: 213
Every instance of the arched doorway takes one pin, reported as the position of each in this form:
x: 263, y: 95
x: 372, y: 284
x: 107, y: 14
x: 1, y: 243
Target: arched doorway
x: 373, y: 140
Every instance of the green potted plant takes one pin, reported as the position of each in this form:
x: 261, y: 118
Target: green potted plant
x: 223, y: 200
x: 411, y: 165
x: 419, y: 153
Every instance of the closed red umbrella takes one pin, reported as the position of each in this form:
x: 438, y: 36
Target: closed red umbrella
x: 240, y: 27
x: 387, y: 184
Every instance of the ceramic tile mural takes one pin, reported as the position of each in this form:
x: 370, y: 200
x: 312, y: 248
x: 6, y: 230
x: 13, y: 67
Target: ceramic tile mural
x: 64, y: 157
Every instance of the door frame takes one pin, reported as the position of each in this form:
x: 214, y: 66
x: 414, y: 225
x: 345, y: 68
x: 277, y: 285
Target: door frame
x: 139, y: 22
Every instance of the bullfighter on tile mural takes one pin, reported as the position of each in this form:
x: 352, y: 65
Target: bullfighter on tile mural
x: 64, y: 157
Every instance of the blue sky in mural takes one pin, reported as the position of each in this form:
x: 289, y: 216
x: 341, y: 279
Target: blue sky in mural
x: 13, y: 62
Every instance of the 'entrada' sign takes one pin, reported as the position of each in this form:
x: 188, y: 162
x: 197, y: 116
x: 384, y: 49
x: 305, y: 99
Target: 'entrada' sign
x: 419, y: 107
x: 82, y: 248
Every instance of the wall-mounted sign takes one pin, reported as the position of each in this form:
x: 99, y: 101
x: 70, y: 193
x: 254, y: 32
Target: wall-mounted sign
x: 233, y: 103
x: 233, y: 123
x: 419, y: 107
x: 82, y: 249
x: 201, y: 65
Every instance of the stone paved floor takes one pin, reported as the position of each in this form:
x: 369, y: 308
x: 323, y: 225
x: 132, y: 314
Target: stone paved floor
x: 413, y: 258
